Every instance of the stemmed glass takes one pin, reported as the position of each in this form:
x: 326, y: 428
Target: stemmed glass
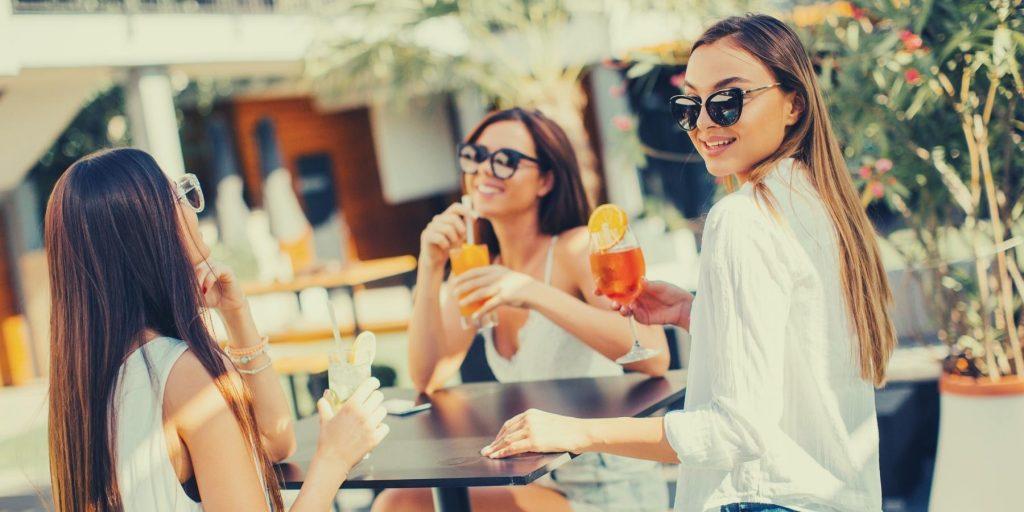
x: 619, y: 272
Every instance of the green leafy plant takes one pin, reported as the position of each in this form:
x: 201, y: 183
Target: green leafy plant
x: 933, y: 91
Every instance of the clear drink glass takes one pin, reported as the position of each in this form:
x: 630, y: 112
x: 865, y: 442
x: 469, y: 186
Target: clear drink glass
x: 344, y: 374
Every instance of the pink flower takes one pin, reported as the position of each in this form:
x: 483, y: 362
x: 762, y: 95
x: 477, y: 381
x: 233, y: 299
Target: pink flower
x: 617, y: 91
x: 883, y: 165
x: 912, y: 76
x: 911, y: 41
x: 864, y: 172
x: 877, y: 189
x: 623, y: 123
x: 677, y: 80
x: 859, y: 13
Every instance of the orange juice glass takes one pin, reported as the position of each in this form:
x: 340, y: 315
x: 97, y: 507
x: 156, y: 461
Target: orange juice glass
x: 465, y: 258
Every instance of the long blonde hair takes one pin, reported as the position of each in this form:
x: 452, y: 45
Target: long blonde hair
x: 813, y: 142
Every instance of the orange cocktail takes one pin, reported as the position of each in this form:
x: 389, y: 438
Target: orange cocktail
x: 467, y: 257
x: 619, y: 273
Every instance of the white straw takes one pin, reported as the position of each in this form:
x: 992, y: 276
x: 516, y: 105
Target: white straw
x: 334, y: 325
x: 470, y: 224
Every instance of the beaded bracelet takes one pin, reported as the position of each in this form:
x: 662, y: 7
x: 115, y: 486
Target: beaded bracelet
x: 248, y: 351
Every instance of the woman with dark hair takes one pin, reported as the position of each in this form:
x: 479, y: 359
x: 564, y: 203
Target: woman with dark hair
x: 791, y: 329
x: 521, y: 172
x: 146, y: 411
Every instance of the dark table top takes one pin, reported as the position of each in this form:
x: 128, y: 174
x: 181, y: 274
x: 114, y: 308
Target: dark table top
x: 440, y: 447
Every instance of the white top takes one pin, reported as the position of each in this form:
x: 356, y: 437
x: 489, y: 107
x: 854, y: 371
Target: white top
x: 776, y: 411
x: 546, y: 350
x: 145, y: 476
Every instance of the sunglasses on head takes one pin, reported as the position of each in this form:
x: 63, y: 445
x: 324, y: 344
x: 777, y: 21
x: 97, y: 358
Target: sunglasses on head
x: 504, y: 161
x: 187, y: 188
x: 724, y: 107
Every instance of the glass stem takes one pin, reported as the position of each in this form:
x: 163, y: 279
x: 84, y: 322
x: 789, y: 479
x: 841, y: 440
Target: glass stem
x: 632, y: 328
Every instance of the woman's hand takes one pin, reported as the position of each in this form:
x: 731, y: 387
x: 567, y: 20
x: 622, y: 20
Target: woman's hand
x: 221, y: 289
x: 444, y: 233
x: 538, y: 432
x: 660, y: 303
x: 494, y: 284
x: 357, y: 427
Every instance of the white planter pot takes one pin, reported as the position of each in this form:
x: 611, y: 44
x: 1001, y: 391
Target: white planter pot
x: 980, y: 452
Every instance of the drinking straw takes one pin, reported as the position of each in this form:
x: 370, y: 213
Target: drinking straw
x: 470, y: 234
x: 334, y: 326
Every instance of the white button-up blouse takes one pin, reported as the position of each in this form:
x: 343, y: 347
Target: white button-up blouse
x: 776, y: 411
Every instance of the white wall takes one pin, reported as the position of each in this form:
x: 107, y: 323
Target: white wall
x: 34, y: 109
x: 8, y: 64
x: 415, y: 149
x: 85, y: 40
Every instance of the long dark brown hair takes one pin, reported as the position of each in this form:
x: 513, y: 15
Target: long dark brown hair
x: 565, y: 206
x: 118, y: 266
x: 812, y: 141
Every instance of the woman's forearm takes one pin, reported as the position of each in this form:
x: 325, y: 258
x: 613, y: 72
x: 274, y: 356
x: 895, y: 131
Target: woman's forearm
x: 273, y: 416
x: 426, y: 332
x: 605, y: 331
x: 639, y: 438
x: 322, y: 481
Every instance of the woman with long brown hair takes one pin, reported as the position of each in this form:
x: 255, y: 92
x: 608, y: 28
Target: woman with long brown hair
x: 791, y: 329
x: 146, y: 411
x: 521, y: 172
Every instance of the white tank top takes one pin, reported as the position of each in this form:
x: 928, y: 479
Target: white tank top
x: 547, y: 351
x: 145, y: 476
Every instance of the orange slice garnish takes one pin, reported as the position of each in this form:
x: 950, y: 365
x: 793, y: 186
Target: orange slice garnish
x: 607, y: 226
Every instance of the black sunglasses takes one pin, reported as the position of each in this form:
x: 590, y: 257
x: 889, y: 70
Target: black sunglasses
x: 504, y: 161
x: 724, y: 107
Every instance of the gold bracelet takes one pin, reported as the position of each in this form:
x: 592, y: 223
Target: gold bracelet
x: 254, y: 371
x: 248, y: 351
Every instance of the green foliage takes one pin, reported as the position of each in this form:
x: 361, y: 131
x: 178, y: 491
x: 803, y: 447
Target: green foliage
x: 894, y: 78
x: 933, y: 91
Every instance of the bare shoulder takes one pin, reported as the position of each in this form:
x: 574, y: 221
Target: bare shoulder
x: 572, y: 255
x: 573, y: 245
x: 187, y: 376
x: 191, y: 392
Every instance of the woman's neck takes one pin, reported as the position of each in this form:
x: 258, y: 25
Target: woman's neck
x: 519, y: 238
